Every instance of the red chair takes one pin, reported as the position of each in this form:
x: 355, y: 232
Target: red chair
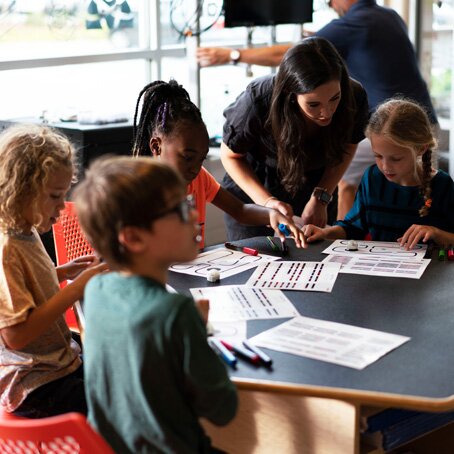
x: 70, y: 243
x: 65, y: 434
x: 69, y: 240
x: 5, y: 416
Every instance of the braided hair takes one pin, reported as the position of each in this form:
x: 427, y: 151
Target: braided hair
x: 407, y: 125
x: 166, y: 106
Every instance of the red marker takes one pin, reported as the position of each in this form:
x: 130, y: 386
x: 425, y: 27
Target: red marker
x: 246, y: 250
x: 450, y: 253
x: 242, y: 352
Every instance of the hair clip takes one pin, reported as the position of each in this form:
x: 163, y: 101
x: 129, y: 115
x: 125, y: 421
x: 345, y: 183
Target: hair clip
x: 428, y: 203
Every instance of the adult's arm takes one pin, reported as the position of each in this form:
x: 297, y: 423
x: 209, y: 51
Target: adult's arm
x: 253, y: 214
x: 263, y: 56
x: 332, y: 175
x: 241, y: 172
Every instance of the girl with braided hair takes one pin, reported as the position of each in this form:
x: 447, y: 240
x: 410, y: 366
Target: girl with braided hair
x: 171, y: 128
x: 401, y: 197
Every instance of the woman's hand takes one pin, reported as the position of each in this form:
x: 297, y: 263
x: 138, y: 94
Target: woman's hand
x: 280, y: 206
x: 73, y: 268
x: 417, y: 233
x: 277, y: 218
x: 313, y: 233
x: 315, y: 213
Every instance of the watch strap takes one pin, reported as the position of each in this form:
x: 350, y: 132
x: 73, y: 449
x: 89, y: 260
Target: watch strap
x: 322, y: 195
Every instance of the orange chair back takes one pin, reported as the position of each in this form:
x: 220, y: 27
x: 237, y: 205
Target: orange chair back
x: 69, y: 240
x: 70, y: 243
x: 69, y: 434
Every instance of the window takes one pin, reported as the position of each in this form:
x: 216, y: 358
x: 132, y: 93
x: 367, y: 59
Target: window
x: 69, y: 56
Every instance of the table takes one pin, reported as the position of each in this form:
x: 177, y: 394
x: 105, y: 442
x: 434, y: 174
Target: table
x: 318, y: 404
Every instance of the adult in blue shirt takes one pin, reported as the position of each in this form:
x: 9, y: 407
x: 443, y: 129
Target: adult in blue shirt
x: 373, y: 41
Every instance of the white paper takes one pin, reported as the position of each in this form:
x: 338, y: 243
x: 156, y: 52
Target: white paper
x: 237, y: 302
x: 332, y: 342
x: 379, y: 266
x: 309, y: 276
x: 234, y: 332
x: 226, y: 261
x: 384, y: 249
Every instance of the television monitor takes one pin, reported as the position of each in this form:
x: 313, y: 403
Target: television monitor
x: 250, y: 13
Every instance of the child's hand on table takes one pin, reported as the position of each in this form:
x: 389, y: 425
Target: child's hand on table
x: 417, y: 233
x: 313, y: 233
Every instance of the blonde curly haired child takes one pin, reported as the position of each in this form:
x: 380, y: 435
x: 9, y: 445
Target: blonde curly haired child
x: 40, y: 367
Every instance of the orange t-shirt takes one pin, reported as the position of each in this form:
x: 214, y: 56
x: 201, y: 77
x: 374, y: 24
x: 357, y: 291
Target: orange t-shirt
x: 204, y: 189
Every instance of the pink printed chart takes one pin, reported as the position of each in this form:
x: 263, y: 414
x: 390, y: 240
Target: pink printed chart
x: 378, y: 258
x: 378, y: 249
x: 305, y: 276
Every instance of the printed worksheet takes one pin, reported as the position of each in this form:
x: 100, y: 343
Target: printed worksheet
x: 226, y: 261
x: 346, y: 345
x: 383, y: 249
x: 309, y: 276
x: 379, y: 266
x: 237, y: 302
x: 232, y: 331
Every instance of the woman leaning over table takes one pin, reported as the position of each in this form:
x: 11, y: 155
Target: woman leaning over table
x: 289, y: 137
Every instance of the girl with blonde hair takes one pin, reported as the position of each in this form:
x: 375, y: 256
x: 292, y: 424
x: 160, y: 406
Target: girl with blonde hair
x: 40, y: 367
x: 401, y: 197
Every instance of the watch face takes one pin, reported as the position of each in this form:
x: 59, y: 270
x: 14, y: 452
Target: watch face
x: 322, y: 195
x: 325, y: 197
x: 235, y: 55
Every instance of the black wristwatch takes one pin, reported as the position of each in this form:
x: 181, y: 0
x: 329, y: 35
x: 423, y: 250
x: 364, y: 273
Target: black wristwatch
x: 322, y: 195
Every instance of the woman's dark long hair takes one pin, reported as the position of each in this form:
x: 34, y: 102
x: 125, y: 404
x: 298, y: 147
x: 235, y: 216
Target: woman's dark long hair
x: 305, y: 67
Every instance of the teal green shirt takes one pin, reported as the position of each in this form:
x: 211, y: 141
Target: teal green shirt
x: 149, y: 371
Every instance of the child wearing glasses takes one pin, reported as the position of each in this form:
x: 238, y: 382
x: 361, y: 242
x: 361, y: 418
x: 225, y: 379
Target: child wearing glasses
x: 171, y: 128
x: 149, y: 372
x: 40, y: 367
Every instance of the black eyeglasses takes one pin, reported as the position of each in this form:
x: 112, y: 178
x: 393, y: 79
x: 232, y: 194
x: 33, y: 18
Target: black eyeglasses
x: 183, y: 209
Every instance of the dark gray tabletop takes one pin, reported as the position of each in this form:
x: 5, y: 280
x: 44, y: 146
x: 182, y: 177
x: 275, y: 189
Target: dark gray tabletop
x: 418, y: 374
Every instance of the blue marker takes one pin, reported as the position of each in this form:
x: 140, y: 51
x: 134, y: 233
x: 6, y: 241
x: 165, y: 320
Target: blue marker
x: 262, y: 355
x: 284, y: 229
x: 222, y: 351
